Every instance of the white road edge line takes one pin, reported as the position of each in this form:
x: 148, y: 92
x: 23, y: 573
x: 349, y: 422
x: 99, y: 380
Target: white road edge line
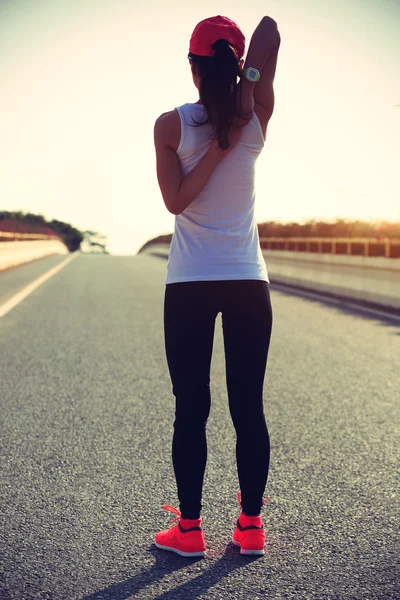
x: 22, y: 294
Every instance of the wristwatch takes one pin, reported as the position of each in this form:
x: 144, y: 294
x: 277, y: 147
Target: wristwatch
x: 251, y: 74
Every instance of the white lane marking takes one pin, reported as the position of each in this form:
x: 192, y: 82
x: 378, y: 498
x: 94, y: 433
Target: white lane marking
x: 336, y: 301
x: 22, y: 294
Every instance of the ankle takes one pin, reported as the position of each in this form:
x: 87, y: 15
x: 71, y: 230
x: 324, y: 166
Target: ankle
x: 246, y: 520
x: 250, y: 514
x: 191, y: 522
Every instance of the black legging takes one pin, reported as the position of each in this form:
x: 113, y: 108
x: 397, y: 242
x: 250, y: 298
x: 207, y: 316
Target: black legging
x: 190, y: 309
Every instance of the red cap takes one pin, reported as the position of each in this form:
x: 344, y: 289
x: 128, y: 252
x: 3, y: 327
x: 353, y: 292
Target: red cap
x: 212, y: 29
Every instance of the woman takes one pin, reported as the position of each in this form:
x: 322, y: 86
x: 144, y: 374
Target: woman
x: 206, y: 152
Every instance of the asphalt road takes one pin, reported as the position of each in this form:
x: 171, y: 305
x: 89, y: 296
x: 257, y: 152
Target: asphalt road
x: 85, y: 434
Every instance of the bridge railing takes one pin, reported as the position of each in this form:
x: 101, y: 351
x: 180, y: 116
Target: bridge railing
x: 387, y: 247
x: 11, y: 236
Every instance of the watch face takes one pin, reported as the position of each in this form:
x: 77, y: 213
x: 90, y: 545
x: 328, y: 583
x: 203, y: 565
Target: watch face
x: 252, y: 74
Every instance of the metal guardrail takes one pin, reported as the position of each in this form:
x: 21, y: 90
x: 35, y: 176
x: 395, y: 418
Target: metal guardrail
x: 390, y: 248
x: 11, y: 236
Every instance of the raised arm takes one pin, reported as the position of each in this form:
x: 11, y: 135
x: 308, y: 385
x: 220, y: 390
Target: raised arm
x: 179, y: 191
x: 262, y: 55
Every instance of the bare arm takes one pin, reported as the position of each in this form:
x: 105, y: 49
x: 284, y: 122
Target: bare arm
x: 262, y: 55
x: 179, y: 191
x: 264, y: 42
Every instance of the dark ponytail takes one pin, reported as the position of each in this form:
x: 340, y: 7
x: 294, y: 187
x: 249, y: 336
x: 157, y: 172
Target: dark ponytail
x: 218, y: 89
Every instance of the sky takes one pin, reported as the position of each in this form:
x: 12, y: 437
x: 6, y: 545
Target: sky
x: 83, y: 82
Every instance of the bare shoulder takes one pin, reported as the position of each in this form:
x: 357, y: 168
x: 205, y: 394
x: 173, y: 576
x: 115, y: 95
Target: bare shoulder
x: 167, y: 129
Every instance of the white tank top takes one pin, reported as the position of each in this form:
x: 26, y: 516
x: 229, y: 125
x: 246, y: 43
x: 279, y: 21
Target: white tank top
x: 216, y: 236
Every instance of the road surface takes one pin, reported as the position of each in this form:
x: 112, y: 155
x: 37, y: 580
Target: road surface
x: 85, y: 434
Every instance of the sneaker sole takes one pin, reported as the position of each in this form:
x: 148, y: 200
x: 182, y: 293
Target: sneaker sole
x: 181, y: 552
x: 248, y: 552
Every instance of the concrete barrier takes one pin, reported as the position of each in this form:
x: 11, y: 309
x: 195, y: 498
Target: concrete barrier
x: 18, y: 253
x: 369, y: 279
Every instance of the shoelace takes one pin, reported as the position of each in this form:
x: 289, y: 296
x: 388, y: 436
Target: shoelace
x: 239, y: 497
x: 176, y: 512
x: 173, y: 510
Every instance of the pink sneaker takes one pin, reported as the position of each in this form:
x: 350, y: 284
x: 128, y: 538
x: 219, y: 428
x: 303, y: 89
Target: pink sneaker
x: 185, y: 538
x: 249, y: 534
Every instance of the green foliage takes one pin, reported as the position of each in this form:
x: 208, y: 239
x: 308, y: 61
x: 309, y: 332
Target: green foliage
x: 71, y: 236
x: 30, y: 223
x: 96, y: 241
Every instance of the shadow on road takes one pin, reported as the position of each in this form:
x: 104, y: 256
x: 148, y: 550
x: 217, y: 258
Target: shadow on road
x: 168, y: 562
x: 159, y: 255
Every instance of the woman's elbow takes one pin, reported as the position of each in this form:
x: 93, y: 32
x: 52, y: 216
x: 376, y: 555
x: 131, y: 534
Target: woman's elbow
x: 172, y: 208
x: 270, y: 20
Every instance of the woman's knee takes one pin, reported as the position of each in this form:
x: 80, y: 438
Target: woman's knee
x: 246, y: 416
x: 192, y: 410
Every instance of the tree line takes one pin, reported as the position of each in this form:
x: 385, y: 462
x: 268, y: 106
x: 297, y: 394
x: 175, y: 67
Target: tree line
x: 20, y: 222
x: 341, y: 228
